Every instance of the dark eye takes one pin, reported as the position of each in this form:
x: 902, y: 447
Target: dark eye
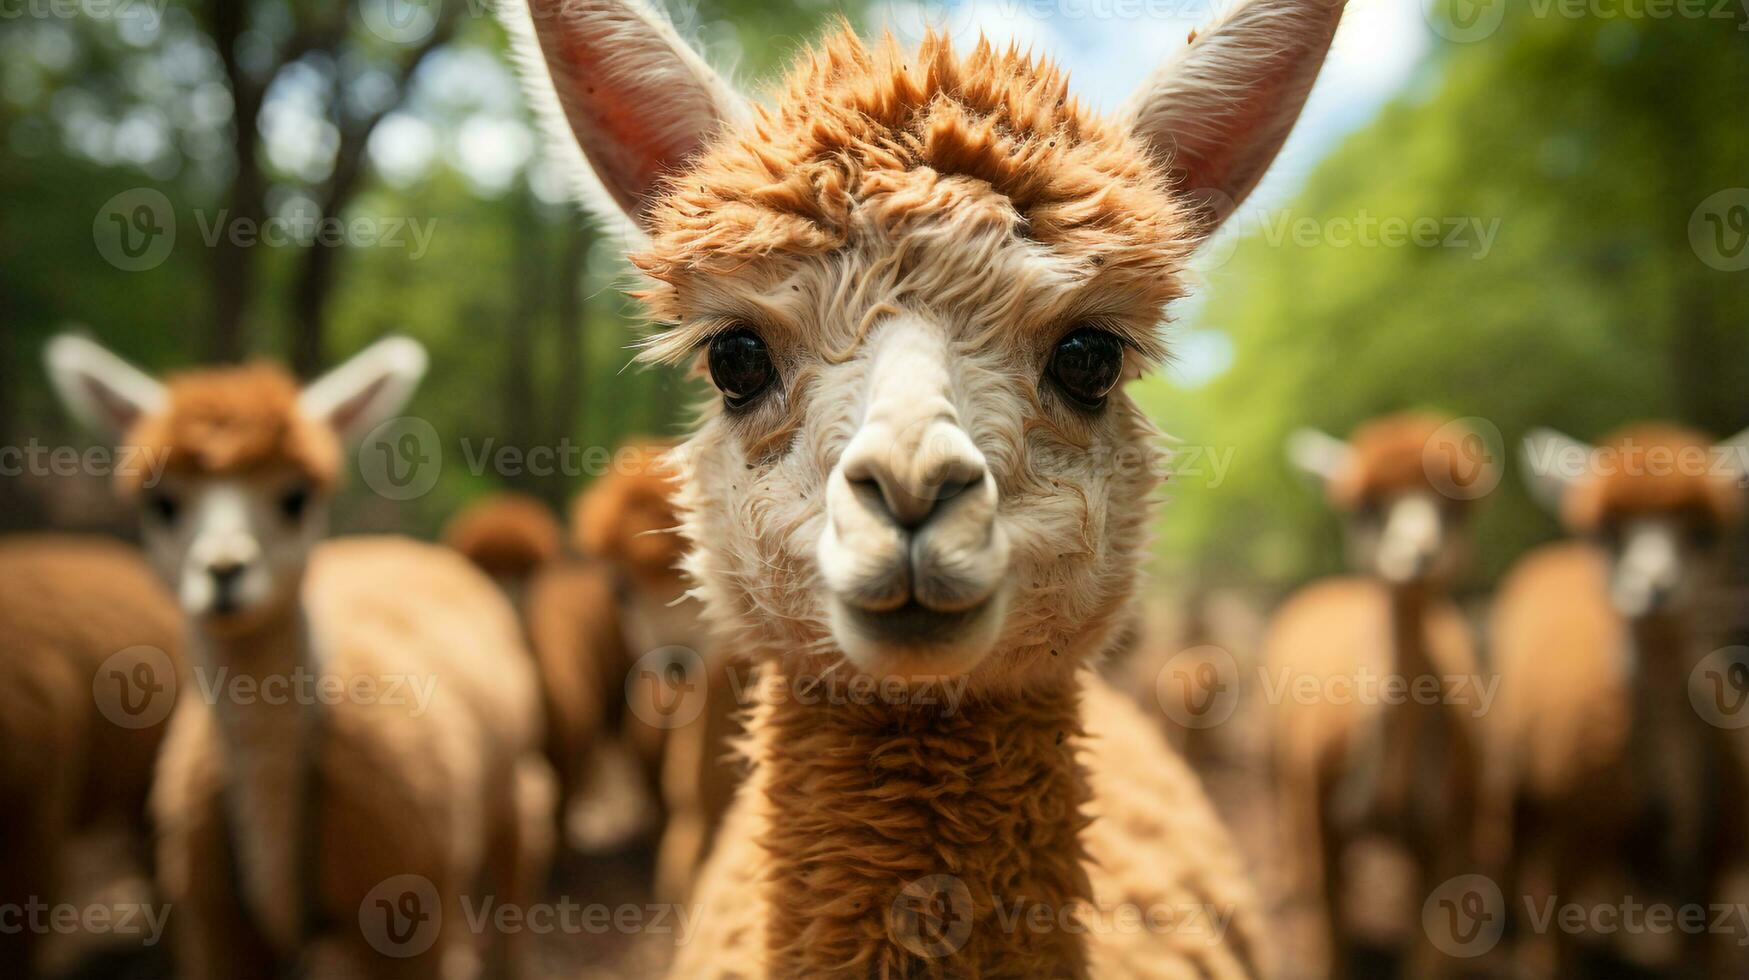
x: 1086, y: 365
x: 294, y: 502
x: 163, y: 506
x: 740, y: 366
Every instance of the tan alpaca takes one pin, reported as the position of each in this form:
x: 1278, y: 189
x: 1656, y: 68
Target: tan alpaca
x: 510, y: 536
x: 337, y: 830
x: 1353, y: 767
x: 917, y: 279
x: 88, y: 655
x: 1601, y: 720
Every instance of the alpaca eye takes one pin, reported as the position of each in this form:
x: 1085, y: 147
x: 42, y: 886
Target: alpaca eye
x: 163, y: 506
x: 740, y: 366
x: 1086, y: 365
x: 294, y: 502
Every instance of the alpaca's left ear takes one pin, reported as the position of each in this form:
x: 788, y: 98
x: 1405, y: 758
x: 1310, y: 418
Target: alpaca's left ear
x: 368, y: 389
x: 102, y: 391
x: 635, y: 99
x: 1217, y: 113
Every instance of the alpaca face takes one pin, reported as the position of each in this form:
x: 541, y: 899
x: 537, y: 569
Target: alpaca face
x: 233, y: 548
x: 251, y: 465
x: 946, y: 466
x: 1658, y: 500
x: 1412, y: 537
x: 917, y: 281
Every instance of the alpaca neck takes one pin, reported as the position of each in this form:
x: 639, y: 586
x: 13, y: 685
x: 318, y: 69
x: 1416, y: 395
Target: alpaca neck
x: 1674, y: 752
x: 262, y: 685
x: 924, y: 840
x: 1421, y: 747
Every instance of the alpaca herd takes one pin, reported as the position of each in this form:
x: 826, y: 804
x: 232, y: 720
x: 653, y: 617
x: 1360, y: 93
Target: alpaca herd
x: 840, y: 645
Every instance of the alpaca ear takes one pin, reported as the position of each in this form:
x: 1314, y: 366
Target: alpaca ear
x: 1219, y: 110
x: 1318, y: 454
x: 102, y: 391
x: 1553, y: 463
x: 368, y: 389
x: 613, y: 79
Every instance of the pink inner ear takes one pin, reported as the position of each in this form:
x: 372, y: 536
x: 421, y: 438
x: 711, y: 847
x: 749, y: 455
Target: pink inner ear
x: 120, y: 410
x: 616, y: 128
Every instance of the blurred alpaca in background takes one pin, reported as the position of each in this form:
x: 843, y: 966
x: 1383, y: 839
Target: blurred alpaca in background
x: 1352, y: 769
x: 1615, y: 756
x: 282, y: 816
x: 89, y: 650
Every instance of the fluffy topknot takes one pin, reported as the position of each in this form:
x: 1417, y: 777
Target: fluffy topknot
x: 1652, y: 468
x: 509, y: 535
x: 1410, y: 451
x: 234, y: 421
x: 627, y: 516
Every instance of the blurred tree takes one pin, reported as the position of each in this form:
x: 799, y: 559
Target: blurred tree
x: 1588, y: 145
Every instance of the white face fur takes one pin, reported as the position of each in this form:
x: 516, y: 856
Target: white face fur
x: 233, y: 547
x: 921, y: 460
x: 969, y: 478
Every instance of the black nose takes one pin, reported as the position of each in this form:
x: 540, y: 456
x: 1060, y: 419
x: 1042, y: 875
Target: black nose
x: 225, y: 578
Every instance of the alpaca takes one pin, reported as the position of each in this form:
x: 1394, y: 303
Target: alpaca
x: 510, y: 536
x: 1351, y: 768
x: 1600, y: 745
x: 356, y: 752
x: 87, y: 672
x: 917, y: 281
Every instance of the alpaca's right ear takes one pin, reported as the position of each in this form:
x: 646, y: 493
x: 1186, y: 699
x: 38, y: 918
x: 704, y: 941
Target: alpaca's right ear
x: 1217, y: 113
x: 614, y: 79
x: 368, y: 389
x: 1319, y: 454
x: 1553, y: 463
x: 100, y: 389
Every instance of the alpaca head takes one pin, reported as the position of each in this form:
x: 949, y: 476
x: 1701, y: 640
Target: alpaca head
x: 627, y: 517
x: 918, y: 280
x: 508, y: 535
x: 251, y: 462
x: 1405, y: 485
x: 1659, y: 499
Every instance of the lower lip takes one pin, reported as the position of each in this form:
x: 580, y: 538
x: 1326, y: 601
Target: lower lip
x: 916, y: 625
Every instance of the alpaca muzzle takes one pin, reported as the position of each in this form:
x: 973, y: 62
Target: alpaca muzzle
x: 913, y: 552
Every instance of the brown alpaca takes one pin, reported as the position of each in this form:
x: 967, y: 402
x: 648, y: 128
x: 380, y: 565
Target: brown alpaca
x: 1350, y: 767
x: 917, y: 280
x: 1606, y: 776
x: 358, y: 740
x: 509, y: 536
x: 87, y: 674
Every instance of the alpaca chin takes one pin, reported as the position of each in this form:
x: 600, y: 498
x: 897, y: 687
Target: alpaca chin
x: 917, y: 643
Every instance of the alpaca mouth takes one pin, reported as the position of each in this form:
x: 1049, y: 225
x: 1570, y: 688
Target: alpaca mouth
x: 914, y: 624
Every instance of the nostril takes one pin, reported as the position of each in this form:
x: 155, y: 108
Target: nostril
x: 226, y: 573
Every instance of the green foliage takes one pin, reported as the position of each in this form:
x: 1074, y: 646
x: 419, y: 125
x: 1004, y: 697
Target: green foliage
x: 1591, y: 142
